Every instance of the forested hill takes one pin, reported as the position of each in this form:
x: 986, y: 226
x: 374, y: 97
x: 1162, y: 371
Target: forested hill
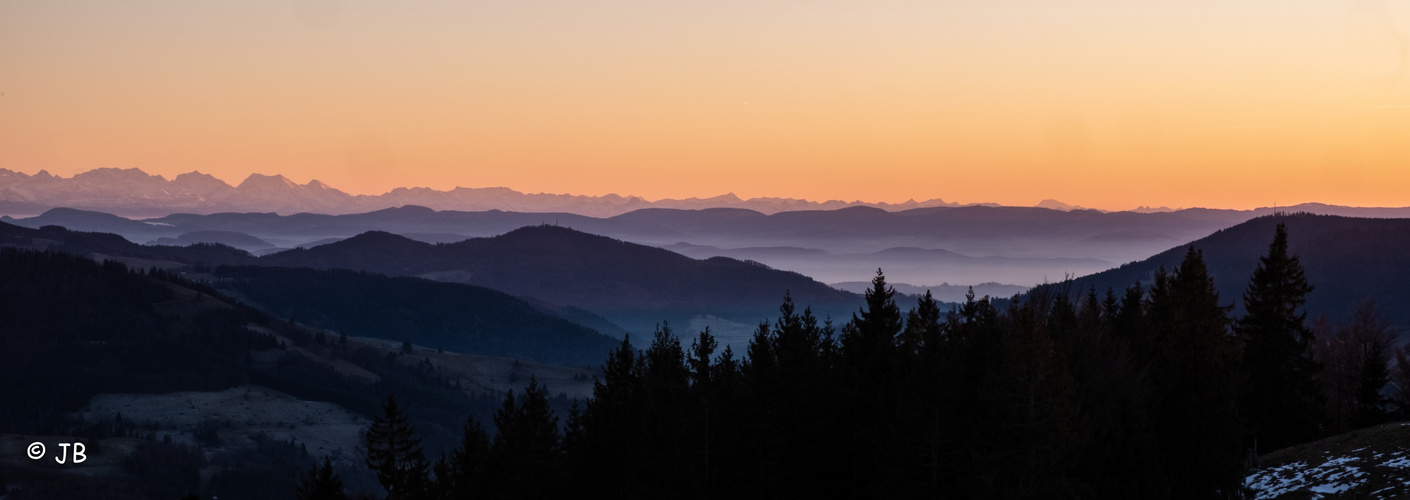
x: 103, y: 245
x: 465, y: 319
x: 633, y: 286
x: 453, y: 316
x: 1349, y: 260
x: 628, y: 283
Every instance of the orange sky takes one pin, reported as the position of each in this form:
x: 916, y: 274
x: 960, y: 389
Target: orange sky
x: 1107, y: 104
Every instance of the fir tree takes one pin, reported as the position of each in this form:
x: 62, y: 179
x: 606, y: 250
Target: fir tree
x: 870, y: 352
x: 872, y: 336
x: 394, y: 453
x: 322, y: 483
x: 1195, y: 407
x: 922, y: 326
x: 526, y: 458
x: 1375, y: 373
x: 702, y: 350
x: 463, y: 472
x: 1346, y: 381
x: 1280, y: 393
x: 604, y: 437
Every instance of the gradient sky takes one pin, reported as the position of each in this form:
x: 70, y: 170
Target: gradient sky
x: 1104, y: 103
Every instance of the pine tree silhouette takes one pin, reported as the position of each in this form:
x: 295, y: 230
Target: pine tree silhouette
x: 322, y: 483
x: 1280, y: 393
x: 1195, y: 407
x: 1370, y: 404
x: 526, y: 459
x: 463, y: 473
x: 394, y: 453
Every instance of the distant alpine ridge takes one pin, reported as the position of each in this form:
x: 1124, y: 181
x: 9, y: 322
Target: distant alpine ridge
x: 132, y: 192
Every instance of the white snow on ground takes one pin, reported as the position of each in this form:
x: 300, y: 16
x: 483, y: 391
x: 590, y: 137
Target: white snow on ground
x: 1399, y: 463
x: 1275, y: 481
x: 1337, y: 474
x: 1333, y: 476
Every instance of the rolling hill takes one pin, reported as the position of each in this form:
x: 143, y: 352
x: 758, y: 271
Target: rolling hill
x: 635, y: 286
x: 1046, y: 243
x: 567, y: 273
x: 467, y: 319
x: 453, y: 316
x: 100, y: 246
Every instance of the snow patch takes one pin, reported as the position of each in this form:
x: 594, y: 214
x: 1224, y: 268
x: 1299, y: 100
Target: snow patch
x: 1335, y: 475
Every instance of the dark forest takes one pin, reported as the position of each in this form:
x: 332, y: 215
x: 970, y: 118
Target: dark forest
x: 1140, y: 393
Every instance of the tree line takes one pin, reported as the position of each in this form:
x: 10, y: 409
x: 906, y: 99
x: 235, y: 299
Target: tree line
x: 1150, y: 392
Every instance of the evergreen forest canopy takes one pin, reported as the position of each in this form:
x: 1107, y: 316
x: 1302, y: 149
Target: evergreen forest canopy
x: 1143, y: 393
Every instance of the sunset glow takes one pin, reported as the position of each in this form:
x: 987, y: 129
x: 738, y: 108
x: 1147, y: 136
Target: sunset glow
x: 1103, y: 104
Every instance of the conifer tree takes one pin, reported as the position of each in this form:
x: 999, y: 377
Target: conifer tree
x: 669, y: 420
x: 1089, y: 314
x: 922, y: 326
x: 1280, y: 393
x: 604, y: 437
x: 1400, y: 382
x: 1375, y: 373
x: 526, y: 458
x: 394, y: 453
x: 870, y: 353
x: 1346, y: 381
x: 702, y: 351
x: 463, y: 473
x: 322, y: 483
x: 1195, y: 407
x: 872, y: 336
x: 1119, y: 457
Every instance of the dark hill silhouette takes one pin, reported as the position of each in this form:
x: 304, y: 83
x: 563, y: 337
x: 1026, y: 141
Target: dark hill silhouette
x: 975, y: 231
x: 107, y: 245
x: 1348, y: 260
x: 228, y: 238
x: 88, y: 220
x: 74, y: 328
x: 932, y: 265
x: 632, y: 285
x: 502, y: 325
x: 453, y: 316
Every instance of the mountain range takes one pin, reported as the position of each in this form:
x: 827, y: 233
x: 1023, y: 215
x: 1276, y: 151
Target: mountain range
x: 132, y: 192
x: 959, y: 245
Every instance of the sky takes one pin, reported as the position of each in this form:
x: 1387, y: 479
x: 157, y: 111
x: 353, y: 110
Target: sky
x: 1101, y: 103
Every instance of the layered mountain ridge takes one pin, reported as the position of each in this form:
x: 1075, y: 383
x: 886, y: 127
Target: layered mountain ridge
x: 132, y: 192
